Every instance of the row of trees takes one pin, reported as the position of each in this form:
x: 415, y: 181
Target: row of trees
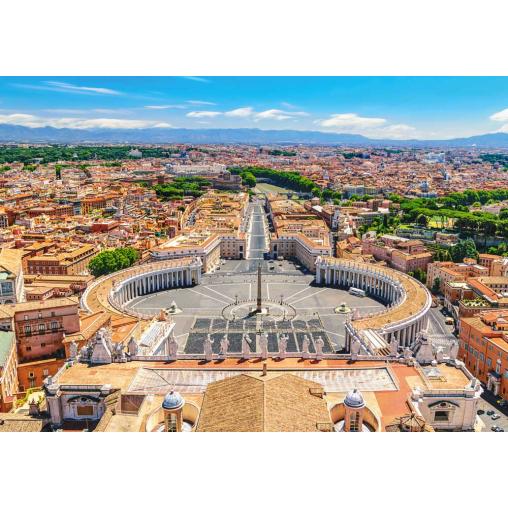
x: 290, y: 179
x: 110, y: 261
x: 182, y: 186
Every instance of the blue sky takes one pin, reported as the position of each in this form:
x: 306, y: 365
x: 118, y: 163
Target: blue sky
x: 378, y: 107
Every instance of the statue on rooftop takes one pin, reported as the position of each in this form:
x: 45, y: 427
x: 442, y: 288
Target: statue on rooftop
x: 283, y: 342
x: 224, y: 345
x: 263, y: 345
x: 246, y: 346
x: 319, y: 348
x: 355, y: 346
x: 394, y: 346
x: 454, y: 350
x: 172, y: 347
x: 73, y: 350
x: 208, y: 348
x: 132, y: 347
x: 305, y: 346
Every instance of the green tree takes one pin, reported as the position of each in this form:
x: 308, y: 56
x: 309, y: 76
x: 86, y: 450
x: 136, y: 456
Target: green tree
x: 110, y: 261
x: 463, y: 249
x: 436, y: 285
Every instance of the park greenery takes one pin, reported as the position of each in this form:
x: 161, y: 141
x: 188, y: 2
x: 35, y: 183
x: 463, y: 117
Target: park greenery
x: 56, y: 153
x: 182, y: 186
x: 110, y: 261
x: 452, y: 212
x: 493, y: 158
x: 285, y: 153
x: 289, y: 179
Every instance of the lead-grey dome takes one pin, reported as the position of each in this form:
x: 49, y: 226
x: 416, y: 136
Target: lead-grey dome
x: 172, y: 400
x: 354, y: 399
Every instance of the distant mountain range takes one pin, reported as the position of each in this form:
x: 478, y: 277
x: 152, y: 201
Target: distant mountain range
x: 18, y: 134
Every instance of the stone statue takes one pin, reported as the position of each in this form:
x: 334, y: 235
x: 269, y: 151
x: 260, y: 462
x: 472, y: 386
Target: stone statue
x: 73, y: 350
x: 319, y: 348
x: 208, y: 348
x: 263, y: 345
x: 224, y: 345
x: 355, y: 346
x: 394, y: 346
x: 246, y: 346
x: 132, y: 347
x: 305, y: 347
x: 454, y: 350
x: 283, y: 344
x: 172, y: 347
x: 407, y: 353
x: 440, y: 354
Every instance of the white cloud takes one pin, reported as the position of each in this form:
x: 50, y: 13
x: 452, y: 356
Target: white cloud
x: 240, y: 112
x: 201, y: 103
x: 166, y: 106
x: 61, y: 86
x: 372, y: 127
x: 203, y: 114
x: 278, y: 114
x: 503, y: 128
x: 26, y: 120
x: 196, y: 78
x: 394, y: 131
x: 351, y: 121
x: 500, y: 116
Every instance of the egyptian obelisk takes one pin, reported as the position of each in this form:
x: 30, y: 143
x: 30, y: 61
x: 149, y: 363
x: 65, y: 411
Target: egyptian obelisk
x: 258, y: 306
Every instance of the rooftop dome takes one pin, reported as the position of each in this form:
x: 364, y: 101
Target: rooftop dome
x: 173, y: 400
x: 354, y: 399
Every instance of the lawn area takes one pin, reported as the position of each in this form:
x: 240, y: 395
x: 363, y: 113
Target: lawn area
x: 268, y: 187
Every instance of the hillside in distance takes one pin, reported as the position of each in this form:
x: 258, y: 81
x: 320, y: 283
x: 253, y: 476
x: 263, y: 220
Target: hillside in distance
x: 19, y: 134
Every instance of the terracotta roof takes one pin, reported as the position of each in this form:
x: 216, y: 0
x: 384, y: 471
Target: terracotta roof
x: 253, y: 403
x: 10, y: 260
x: 10, y: 422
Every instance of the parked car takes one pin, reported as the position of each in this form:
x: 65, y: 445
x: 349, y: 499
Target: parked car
x: 495, y: 416
x: 480, y: 412
x: 490, y: 412
x: 496, y: 428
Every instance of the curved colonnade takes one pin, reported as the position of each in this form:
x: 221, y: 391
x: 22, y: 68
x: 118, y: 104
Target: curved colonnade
x: 113, y: 292
x: 407, y: 300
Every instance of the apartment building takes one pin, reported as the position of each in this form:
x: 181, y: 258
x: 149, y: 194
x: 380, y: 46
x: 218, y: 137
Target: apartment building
x: 71, y: 260
x: 12, y: 288
x: 298, y: 233
x: 8, y: 370
x: 40, y: 326
x: 447, y: 271
x: 400, y: 253
x: 483, y: 347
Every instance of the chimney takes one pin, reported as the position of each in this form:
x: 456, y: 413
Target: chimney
x: 265, y: 369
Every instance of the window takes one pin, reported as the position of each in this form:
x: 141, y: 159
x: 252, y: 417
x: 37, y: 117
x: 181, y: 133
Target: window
x: 441, y: 416
x: 85, y: 410
x: 54, y: 325
x: 354, y: 422
x: 28, y: 329
x: 29, y: 348
x: 172, y: 422
x: 42, y: 328
x: 45, y: 372
x: 43, y: 344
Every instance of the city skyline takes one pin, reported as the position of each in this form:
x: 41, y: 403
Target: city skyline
x: 395, y: 108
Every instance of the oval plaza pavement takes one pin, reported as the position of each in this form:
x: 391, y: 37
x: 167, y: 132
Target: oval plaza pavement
x: 395, y: 305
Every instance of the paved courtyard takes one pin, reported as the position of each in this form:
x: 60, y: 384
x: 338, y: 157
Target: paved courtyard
x: 237, y: 279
